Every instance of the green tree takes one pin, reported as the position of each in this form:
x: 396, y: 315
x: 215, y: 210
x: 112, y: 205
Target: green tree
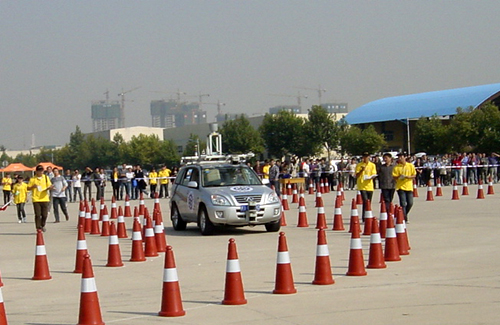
x: 355, y: 141
x: 322, y: 131
x: 193, y: 146
x: 430, y: 134
x: 238, y: 136
x: 486, y: 123
x: 460, y: 131
x: 284, y: 133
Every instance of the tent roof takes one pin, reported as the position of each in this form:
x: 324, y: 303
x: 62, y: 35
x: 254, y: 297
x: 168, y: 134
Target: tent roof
x: 49, y: 164
x: 17, y: 167
x: 441, y: 103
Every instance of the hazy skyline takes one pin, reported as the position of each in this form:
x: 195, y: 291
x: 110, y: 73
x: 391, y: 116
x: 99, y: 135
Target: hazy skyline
x: 58, y: 56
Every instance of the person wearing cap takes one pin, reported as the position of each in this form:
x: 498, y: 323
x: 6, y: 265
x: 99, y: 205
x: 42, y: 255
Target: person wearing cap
x: 366, y: 171
x: 403, y: 174
x: 40, y: 187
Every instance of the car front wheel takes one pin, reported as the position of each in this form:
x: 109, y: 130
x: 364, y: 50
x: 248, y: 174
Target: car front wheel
x: 273, y: 226
x: 206, y: 226
x: 177, y: 222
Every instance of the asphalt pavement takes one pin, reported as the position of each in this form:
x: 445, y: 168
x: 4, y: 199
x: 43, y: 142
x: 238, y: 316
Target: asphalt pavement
x: 450, y: 277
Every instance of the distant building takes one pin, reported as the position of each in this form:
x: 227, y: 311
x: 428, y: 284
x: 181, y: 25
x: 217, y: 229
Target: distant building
x: 105, y: 115
x: 296, y: 109
x: 221, y: 118
x: 128, y: 133
x: 174, y: 114
x: 336, y: 107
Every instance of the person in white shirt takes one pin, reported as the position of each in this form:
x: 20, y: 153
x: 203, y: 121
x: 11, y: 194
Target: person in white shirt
x: 77, y: 185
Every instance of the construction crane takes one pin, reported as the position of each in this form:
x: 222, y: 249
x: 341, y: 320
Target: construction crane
x: 107, y: 95
x: 298, y: 96
x: 319, y: 90
x: 178, y: 93
x: 121, y: 122
x: 219, y: 104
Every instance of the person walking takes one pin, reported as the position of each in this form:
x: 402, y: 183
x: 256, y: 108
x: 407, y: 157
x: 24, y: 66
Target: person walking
x: 115, y: 184
x: 163, y: 175
x: 20, y: 193
x: 366, y: 171
x: 40, y: 185
x: 69, y: 189
x: 403, y: 174
x: 77, y: 185
x: 387, y: 183
x: 274, y: 173
x: 7, y: 188
x: 153, y: 182
x: 87, y: 178
x: 58, y: 191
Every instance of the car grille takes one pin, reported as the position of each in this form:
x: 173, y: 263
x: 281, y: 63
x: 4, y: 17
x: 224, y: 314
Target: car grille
x: 244, y: 199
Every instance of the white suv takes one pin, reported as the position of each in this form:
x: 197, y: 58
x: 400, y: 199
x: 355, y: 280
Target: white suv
x: 218, y: 194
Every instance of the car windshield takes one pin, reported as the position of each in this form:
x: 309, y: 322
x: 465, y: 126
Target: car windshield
x: 229, y: 175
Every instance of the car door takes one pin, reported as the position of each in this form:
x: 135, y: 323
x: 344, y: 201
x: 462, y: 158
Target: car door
x: 186, y: 195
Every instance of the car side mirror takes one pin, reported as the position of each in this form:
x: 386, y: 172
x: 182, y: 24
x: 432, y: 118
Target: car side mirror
x: 193, y: 184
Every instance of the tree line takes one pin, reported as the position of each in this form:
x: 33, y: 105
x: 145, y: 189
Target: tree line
x: 279, y: 135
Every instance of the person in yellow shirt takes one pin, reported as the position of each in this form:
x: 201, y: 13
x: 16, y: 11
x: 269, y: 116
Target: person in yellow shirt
x: 404, y: 173
x: 265, y: 170
x: 163, y: 175
x: 153, y: 181
x: 7, y: 187
x: 20, y: 193
x: 366, y: 171
x: 40, y: 187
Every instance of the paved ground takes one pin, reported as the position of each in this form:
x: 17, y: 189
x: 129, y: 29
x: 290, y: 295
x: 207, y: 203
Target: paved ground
x: 450, y: 277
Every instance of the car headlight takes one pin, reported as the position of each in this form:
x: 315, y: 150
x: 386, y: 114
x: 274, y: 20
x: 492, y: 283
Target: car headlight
x: 273, y: 198
x: 219, y: 200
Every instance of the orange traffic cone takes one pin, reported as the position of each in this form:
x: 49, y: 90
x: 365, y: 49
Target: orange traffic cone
x: 319, y: 199
x: 302, y: 214
x: 320, y: 217
x: 359, y: 199
x: 415, y: 188
x: 3, y: 315
x: 127, y: 213
x: 95, y: 222
x: 327, y: 186
x: 284, y: 276
x: 171, y: 302
x: 368, y: 218
x: 311, y: 187
x: 354, y: 216
x: 454, y: 196
x: 430, y: 197
x: 338, y: 223
x: 137, y: 248
x: 41, y: 263
x: 439, y: 190
x: 101, y: 208
x: 465, y: 188
x: 90, y: 310
x: 342, y: 191
x: 114, y: 214
x: 161, y: 241
x: 295, y: 197
x: 81, y: 214
x: 288, y: 190
x: 233, y: 292
x: 105, y: 222
x: 376, y: 256
x: 383, y: 219
x: 284, y: 201
x: 401, y: 236
x: 323, y: 269
x: 81, y: 250
x: 301, y: 195
x: 283, y: 218
x: 114, y: 254
x: 88, y: 219
x: 356, y: 263
x: 121, y: 228
x: 480, y: 192
x: 150, y: 249
x: 491, y: 191
x: 391, y: 253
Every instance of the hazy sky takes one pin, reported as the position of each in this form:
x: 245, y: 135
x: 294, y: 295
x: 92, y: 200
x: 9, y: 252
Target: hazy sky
x: 58, y: 56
